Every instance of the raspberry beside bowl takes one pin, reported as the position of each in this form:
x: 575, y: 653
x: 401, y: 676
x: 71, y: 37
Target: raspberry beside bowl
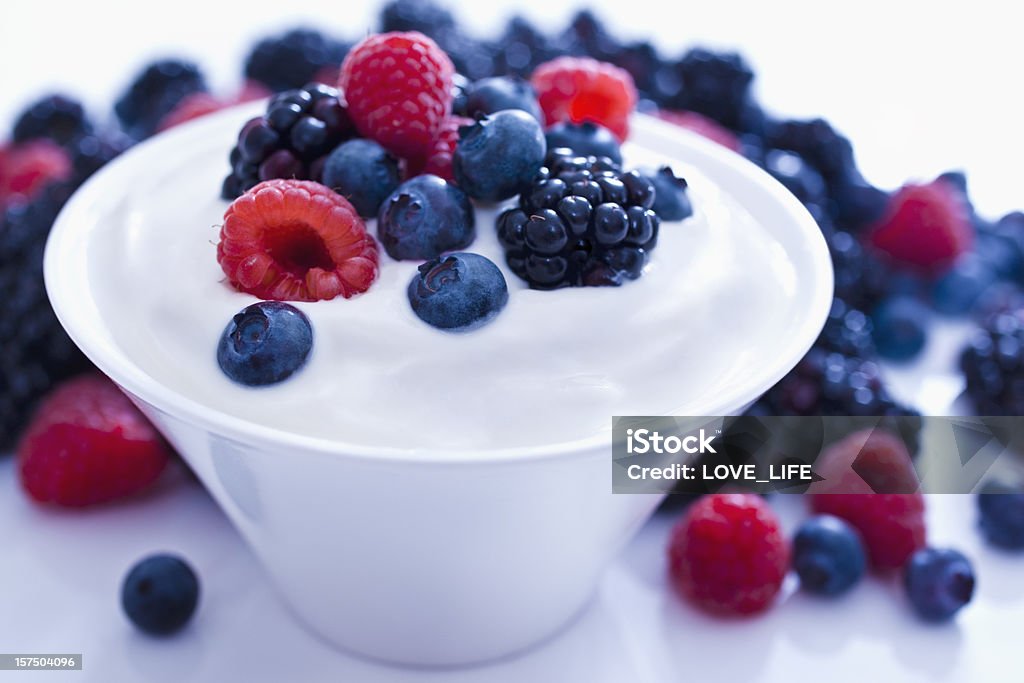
x: 419, y: 556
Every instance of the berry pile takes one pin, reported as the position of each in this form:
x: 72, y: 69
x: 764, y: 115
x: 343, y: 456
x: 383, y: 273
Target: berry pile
x: 583, y: 222
x: 993, y: 364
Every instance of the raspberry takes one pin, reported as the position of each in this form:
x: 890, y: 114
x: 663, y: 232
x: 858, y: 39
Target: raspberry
x: 866, y: 461
x: 439, y: 159
x: 727, y: 554
x: 88, y: 444
x: 582, y: 89
x: 29, y: 167
x: 925, y: 226
x: 296, y: 240
x: 398, y: 87
x: 703, y: 126
x: 891, y: 524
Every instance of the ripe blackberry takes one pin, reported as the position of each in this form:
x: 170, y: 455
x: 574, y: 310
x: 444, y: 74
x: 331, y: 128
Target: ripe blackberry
x: 715, y: 84
x: 847, y: 331
x: 424, y: 16
x: 56, y: 117
x: 155, y: 92
x: 37, y: 352
x: 521, y: 48
x: 993, y: 365
x: 291, y: 140
x: 820, y: 145
x: 586, y: 35
x: 294, y: 58
x: 583, y: 222
x: 91, y: 152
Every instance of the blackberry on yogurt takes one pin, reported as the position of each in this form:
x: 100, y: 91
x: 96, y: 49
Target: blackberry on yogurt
x: 291, y: 140
x: 582, y: 222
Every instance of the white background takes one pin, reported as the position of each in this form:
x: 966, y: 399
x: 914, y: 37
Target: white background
x: 919, y: 87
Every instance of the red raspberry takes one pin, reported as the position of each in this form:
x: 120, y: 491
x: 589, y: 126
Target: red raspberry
x: 891, y: 524
x: 582, y: 89
x: 398, y: 87
x: 440, y: 160
x: 866, y: 461
x: 28, y: 167
x: 702, y: 125
x: 727, y: 554
x: 925, y: 226
x: 296, y: 240
x: 88, y: 444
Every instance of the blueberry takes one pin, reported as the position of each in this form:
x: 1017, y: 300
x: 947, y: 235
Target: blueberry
x: 804, y: 182
x: 458, y: 292
x: 939, y: 582
x: 828, y: 555
x: 586, y: 139
x: 956, y: 292
x: 364, y: 173
x: 491, y: 95
x: 160, y: 594
x: 265, y: 343
x: 671, y: 201
x: 499, y: 155
x: 1002, y: 514
x: 899, y: 327
x: 425, y: 217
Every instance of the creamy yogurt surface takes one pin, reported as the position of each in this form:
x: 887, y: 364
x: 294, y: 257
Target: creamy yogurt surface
x: 553, y: 366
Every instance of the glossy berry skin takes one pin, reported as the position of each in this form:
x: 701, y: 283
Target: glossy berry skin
x: 292, y: 59
x: 160, y: 594
x: 398, y: 87
x: 364, y: 173
x: 425, y: 217
x: 458, y: 292
x: 55, y: 117
x: 499, y: 155
x: 939, y: 582
x: 727, y: 555
x: 671, y: 200
x: 900, y: 327
x: 1001, y: 507
x: 586, y: 139
x: 88, y: 444
x: 828, y: 555
x: 491, y: 95
x: 892, y: 525
x: 579, y: 89
x: 156, y: 91
x: 296, y: 240
x: 265, y: 343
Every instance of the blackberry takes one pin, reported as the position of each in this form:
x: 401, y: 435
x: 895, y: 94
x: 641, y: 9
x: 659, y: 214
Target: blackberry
x: 291, y: 140
x: 642, y: 61
x: 847, y: 331
x: 715, y: 84
x: 473, y: 58
x: 521, y: 48
x: 156, y: 90
x: 820, y: 145
x: 804, y: 182
x: 37, y: 352
x: 56, y: 117
x: 583, y: 222
x: 586, y: 35
x: 294, y: 58
x: 91, y: 152
x: 424, y: 16
x: 993, y: 365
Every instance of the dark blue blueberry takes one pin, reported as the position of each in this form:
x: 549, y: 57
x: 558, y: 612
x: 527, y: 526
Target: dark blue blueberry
x: 499, y: 155
x: 425, y: 217
x: 939, y: 582
x: 671, y: 200
x: 55, y: 117
x: 458, y: 292
x: 265, y: 343
x: 956, y: 292
x: 585, y: 139
x: 804, y: 182
x: 491, y: 95
x: 364, y: 173
x: 900, y: 324
x: 160, y: 594
x: 828, y: 555
x: 292, y: 59
x: 1002, y: 514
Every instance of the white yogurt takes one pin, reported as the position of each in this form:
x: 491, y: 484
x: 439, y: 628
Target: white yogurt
x: 552, y: 367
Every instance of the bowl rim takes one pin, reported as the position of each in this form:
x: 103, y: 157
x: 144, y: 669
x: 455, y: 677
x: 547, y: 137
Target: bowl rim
x: 65, y: 257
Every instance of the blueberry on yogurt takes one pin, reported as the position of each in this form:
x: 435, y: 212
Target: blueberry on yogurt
x: 265, y: 343
x: 458, y: 292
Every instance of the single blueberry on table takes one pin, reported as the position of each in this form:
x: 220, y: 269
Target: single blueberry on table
x: 939, y: 582
x: 1002, y: 514
x: 458, y: 292
x: 425, y: 217
x: 364, y: 173
x: 585, y: 139
x: 828, y: 555
x: 899, y: 325
x: 265, y: 343
x: 494, y: 94
x: 160, y: 594
x: 499, y: 155
x: 671, y: 200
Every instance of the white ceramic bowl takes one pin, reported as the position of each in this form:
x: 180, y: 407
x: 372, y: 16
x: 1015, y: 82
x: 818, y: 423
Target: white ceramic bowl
x: 420, y: 559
